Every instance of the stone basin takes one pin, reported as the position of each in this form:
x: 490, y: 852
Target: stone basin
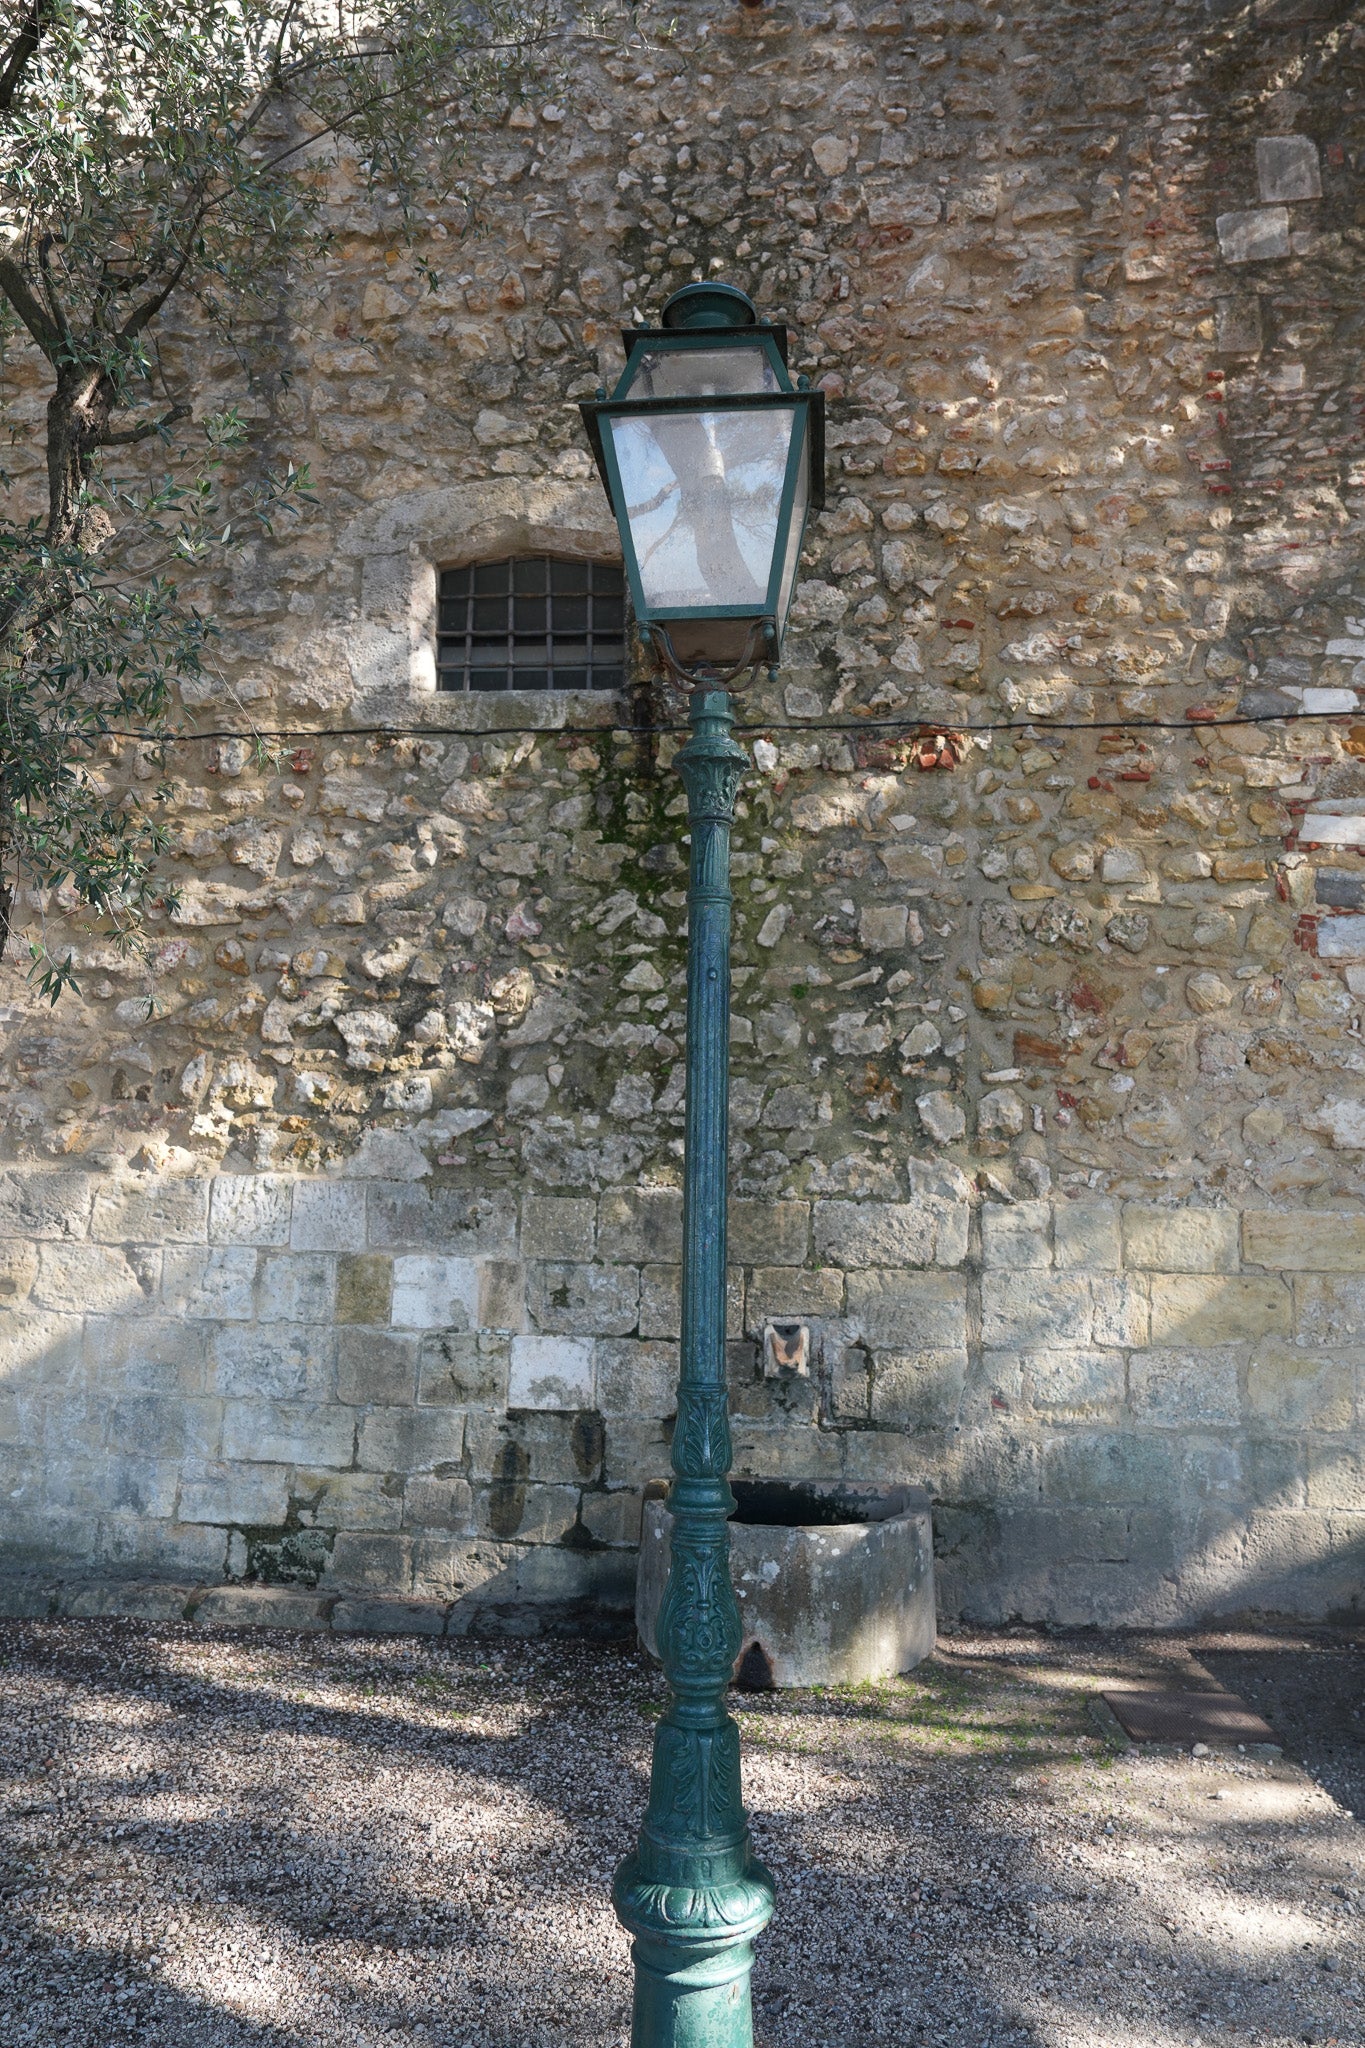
x: 835, y: 1583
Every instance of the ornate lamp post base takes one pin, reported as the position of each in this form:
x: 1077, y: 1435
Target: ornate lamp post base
x: 693, y: 1951
x: 693, y: 1895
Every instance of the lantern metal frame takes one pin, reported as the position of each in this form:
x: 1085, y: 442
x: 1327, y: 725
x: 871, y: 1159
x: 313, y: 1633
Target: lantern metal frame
x: 705, y: 318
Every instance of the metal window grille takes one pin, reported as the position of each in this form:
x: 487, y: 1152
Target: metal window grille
x: 538, y: 624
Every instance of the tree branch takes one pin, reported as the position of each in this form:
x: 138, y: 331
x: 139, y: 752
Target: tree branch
x: 20, y: 53
x: 29, y: 307
x: 144, y: 314
x: 128, y: 435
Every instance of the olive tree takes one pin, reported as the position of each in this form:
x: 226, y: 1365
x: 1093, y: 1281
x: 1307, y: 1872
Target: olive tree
x: 168, y: 165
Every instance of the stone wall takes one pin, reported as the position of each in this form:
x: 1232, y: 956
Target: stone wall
x: 377, y: 1391
x: 351, y: 1259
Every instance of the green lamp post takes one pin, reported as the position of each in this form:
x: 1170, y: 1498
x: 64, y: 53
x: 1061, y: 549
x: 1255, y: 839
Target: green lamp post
x: 712, y: 459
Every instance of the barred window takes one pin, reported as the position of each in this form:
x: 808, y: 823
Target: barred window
x: 537, y: 624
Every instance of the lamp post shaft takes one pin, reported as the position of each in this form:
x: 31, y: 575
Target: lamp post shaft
x: 692, y: 1894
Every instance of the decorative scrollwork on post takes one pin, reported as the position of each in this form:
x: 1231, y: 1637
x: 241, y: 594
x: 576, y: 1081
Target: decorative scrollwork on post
x: 701, y: 1436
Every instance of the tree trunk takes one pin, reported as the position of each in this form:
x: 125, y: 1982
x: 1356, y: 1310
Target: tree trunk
x: 77, y: 415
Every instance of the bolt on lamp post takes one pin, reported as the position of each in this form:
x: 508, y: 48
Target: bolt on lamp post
x: 712, y: 459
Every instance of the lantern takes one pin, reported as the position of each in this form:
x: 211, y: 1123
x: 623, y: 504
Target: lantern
x: 712, y: 460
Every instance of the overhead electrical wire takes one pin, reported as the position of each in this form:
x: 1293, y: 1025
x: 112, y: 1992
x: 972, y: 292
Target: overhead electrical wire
x: 759, y: 729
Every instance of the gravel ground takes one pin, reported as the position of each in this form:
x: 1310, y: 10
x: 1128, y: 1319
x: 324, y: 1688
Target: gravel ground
x: 213, y: 1839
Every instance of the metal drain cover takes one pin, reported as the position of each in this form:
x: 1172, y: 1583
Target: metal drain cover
x: 1187, y: 1717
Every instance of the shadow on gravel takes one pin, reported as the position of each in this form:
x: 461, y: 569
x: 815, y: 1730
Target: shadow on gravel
x: 1310, y: 1686
x: 927, y: 1894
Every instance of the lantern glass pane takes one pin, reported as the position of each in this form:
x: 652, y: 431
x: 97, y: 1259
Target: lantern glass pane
x: 703, y: 496
x: 701, y: 373
x: 796, y: 529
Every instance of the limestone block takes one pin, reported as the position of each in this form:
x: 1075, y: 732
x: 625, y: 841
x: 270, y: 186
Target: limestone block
x: 577, y: 1580
x: 457, y: 1368
x: 364, y: 1288
x: 247, y: 1495
x: 164, y: 1426
x: 18, y: 1271
x: 660, y: 1301
x: 272, y: 1361
x: 1180, y: 1240
x: 1336, y: 1476
x: 784, y: 1291
x: 1034, y: 1311
x: 328, y: 1216
x: 1341, y: 1122
x: 438, y: 1503
x: 260, y: 1607
x: 1121, y: 1310
x: 370, y: 1560
x: 1017, y: 1236
x: 410, y: 1439
x: 434, y: 1293
x: 1287, y: 168
x: 640, y: 1223
x: 565, y: 1447
x: 449, y: 1567
x: 100, y: 1279
x: 389, y: 1617
x: 1111, y: 1467
x: 502, y: 1294
x: 585, y: 1300
x: 1329, y: 1309
x: 635, y: 1378
x: 882, y: 927
x: 850, y: 1382
x: 1238, y: 330
x: 1216, y: 1308
x: 557, y: 1227
x: 942, y: 1116
x: 613, y: 1518
x: 1086, y: 1383
x: 121, y: 1353
x: 769, y: 1233
x: 1276, y: 1469
x: 153, y: 1210
x: 404, y: 1216
x: 1000, y: 1113
x: 375, y: 1364
x: 918, y: 1389
x: 996, y: 1461
x: 1287, y: 1552
x: 1076, y: 1535
x: 250, y: 1208
x: 898, y: 1311
x: 213, y: 1283
x: 1342, y: 938
x: 555, y: 1372
x: 1213, y: 1470
x: 287, y: 1433
x: 1256, y: 234
x: 1323, y: 1241
x: 1300, y: 1389
x: 1185, y: 1389
x: 852, y: 1234
x: 1086, y: 1236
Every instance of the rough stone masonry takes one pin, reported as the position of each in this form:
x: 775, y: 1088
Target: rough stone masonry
x: 349, y: 1278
